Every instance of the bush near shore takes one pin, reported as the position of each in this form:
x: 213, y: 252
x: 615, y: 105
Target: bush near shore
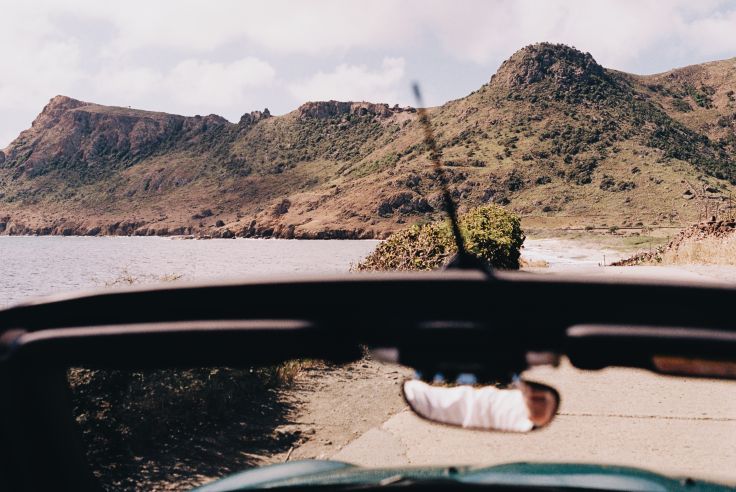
x: 491, y: 233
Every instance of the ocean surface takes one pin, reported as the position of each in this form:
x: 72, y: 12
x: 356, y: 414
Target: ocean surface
x: 37, y: 266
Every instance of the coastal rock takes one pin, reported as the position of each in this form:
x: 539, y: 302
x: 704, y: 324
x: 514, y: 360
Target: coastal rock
x: 249, y: 230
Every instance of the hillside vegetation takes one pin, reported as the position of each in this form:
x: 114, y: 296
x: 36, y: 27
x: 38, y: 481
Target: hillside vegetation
x: 553, y: 137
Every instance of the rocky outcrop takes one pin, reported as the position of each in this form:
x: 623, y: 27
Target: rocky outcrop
x: 254, y: 117
x: 332, y: 109
x: 711, y: 229
x: 556, y: 63
x: 405, y: 203
x: 281, y: 207
x: 71, y: 133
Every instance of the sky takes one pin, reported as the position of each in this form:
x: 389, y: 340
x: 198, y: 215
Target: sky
x: 230, y: 57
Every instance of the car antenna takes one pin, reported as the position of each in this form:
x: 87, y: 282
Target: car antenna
x: 463, y: 260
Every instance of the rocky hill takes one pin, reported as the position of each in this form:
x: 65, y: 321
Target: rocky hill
x: 553, y: 136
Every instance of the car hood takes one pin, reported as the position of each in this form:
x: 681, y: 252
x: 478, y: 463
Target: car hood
x: 320, y: 472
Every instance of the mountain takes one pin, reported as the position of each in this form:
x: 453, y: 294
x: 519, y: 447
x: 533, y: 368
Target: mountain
x: 553, y: 136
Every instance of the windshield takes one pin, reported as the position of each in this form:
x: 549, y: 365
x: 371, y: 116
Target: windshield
x: 162, y: 143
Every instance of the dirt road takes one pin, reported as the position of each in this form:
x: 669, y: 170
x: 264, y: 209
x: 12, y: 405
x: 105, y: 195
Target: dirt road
x: 627, y: 417
x: 616, y: 416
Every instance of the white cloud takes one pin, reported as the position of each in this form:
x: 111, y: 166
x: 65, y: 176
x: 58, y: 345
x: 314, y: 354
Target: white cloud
x: 623, y: 34
x: 285, y: 26
x: 37, y: 61
x: 130, y: 83
x: 30, y: 71
x: 194, y: 82
x: 711, y: 36
x: 477, y: 30
x: 328, y: 26
x: 192, y: 86
x: 194, y: 56
x: 353, y: 83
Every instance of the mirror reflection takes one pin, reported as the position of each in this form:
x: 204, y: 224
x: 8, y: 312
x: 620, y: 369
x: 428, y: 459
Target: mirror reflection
x: 520, y: 408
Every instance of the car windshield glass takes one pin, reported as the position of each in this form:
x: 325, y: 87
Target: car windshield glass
x: 152, y: 146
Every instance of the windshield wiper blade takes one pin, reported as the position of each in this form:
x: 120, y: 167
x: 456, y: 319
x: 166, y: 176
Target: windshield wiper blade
x: 463, y: 260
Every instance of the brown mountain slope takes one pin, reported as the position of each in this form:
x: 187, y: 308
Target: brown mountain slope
x: 553, y: 136
x: 702, y: 97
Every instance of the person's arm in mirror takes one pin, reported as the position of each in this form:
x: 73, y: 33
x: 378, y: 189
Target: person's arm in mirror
x: 518, y: 409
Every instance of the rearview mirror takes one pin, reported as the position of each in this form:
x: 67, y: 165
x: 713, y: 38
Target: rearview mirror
x: 521, y: 408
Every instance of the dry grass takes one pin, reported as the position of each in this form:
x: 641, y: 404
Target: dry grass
x: 287, y: 373
x: 173, y: 428
x: 170, y: 428
x: 707, y: 251
x: 126, y: 277
x: 627, y: 242
x: 526, y: 263
x: 705, y: 243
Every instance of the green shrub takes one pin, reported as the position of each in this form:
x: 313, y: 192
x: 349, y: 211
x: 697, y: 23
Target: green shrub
x: 490, y: 232
x: 681, y: 106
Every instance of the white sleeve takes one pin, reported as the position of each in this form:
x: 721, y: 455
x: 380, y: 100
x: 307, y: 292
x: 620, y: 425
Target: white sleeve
x: 482, y: 408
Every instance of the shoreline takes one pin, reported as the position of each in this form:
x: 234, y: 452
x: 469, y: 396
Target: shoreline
x: 11, y: 225
x: 181, y: 238
x: 329, y: 234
